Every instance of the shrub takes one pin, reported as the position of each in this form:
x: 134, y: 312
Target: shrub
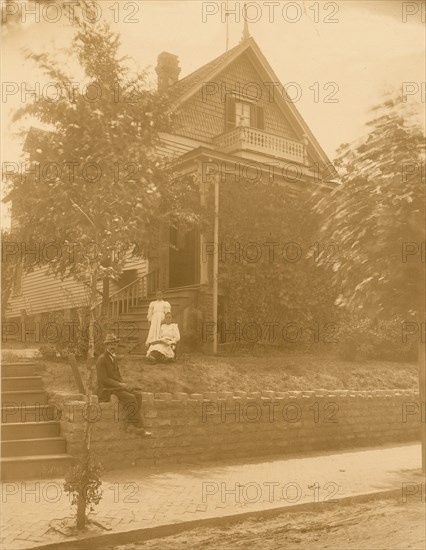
x: 49, y: 351
x: 363, y: 338
x: 65, y: 338
x: 83, y: 484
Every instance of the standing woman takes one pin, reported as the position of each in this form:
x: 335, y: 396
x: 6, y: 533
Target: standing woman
x: 156, y: 312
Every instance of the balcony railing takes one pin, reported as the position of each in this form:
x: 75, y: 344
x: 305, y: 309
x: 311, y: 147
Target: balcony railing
x: 258, y: 141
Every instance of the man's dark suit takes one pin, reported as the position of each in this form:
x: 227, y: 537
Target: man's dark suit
x: 110, y: 382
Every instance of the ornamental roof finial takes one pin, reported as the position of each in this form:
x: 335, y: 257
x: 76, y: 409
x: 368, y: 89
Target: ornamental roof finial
x: 246, y: 32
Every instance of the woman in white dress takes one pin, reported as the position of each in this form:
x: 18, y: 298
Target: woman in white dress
x: 156, y: 312
x: 163, y: 349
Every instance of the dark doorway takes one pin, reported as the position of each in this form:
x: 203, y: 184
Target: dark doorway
x: 183, y: 258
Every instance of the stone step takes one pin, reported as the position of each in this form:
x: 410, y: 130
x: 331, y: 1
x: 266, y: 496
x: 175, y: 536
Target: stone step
x: 18, y: 383
x: 142, y: 311
x: 35, y: 467
x: 134, y: 331
x: 29, y: 430
x: 127, y: 319
x: 19, y: 369
x: 30, y: 413
x: 24, y: 398
x: 20, y: 363
x: 32, y: 447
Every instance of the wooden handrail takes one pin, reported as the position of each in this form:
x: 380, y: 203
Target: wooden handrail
x: 130, y: 295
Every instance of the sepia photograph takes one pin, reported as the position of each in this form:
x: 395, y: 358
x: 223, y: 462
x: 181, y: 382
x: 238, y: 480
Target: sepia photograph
x: 213, y: 283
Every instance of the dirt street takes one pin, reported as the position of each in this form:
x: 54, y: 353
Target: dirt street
x: 375, y: 525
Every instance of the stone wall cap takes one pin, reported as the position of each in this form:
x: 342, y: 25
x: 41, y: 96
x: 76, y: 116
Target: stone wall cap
x: 163, y: 396
x: 196, y: 396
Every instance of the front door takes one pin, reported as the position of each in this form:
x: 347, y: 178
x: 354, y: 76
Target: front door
x: 183, y: 257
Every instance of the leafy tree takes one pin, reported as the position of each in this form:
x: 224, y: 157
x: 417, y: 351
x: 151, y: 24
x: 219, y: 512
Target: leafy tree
x: 378, y: 209
x: 97, y: 180
x: 13, y: 13
x: 10, y: 15
x: 377, y: 216
x: 101, y: 183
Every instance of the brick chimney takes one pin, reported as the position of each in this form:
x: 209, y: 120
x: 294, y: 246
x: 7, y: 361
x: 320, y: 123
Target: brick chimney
x: 167, y: 70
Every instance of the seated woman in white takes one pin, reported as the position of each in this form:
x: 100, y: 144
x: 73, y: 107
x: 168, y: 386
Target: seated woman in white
x: 156, y: 312
x: 162, y: 350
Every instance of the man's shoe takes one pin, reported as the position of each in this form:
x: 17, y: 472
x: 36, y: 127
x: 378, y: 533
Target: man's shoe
x: 137, y: 431
x: 151, y: 359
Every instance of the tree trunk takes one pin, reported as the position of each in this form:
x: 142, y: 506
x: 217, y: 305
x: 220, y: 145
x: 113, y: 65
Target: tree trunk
x: 422, y: 367
x: 92, y: 322
x: 422, y: 392
x: 85, y: 459
x: 81, y: 511
x: 86, y: 456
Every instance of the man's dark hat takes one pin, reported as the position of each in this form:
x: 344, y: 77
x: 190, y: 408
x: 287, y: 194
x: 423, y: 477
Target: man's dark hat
x: 111, y: 339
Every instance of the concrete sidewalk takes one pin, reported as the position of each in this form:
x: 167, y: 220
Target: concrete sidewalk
x: 136, y: 499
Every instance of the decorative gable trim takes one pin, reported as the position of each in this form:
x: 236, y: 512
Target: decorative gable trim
x: 262, y: 65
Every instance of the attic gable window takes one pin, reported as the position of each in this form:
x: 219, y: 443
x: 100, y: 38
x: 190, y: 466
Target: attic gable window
x: 242, y: 113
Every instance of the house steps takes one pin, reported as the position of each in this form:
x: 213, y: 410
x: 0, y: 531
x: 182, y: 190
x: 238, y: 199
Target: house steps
x: 34, y: 467
x: 133, y: 327
x: 30, y: 431
x: 34, y: 447
x: 18, y: 383
x: 19, y: 369
x: 24, y: 397
x: 14, y: 413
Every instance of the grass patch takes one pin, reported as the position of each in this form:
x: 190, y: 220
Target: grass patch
x: 276, y: 372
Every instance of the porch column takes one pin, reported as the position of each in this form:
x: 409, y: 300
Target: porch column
x: 204, y: 274
x: 163, y: 259
x: 215, y: 260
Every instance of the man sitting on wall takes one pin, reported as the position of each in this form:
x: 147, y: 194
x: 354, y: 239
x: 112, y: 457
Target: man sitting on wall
x: 110, y: 382
x: 163, y: 350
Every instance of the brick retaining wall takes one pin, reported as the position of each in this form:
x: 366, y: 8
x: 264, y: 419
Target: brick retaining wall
x: 215, y: 426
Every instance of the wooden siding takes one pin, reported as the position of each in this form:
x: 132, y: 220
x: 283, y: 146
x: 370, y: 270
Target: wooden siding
x: 175, y: 146
x: 139, y: 264
x: 204, y: 118
x: 42, y: 292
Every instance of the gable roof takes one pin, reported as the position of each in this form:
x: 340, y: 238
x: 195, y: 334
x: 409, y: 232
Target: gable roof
x: 189, y: 84
x: 184, y: 89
